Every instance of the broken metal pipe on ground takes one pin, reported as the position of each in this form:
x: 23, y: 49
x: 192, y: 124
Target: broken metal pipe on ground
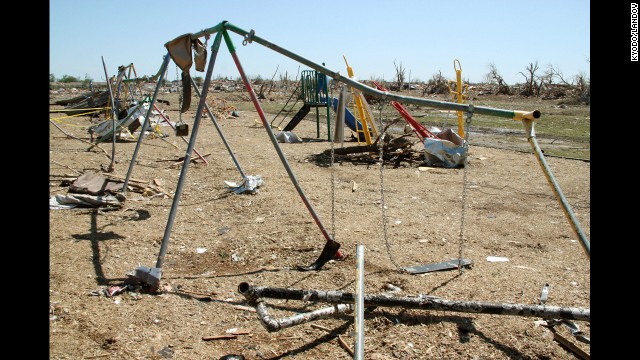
x: 254, y: 294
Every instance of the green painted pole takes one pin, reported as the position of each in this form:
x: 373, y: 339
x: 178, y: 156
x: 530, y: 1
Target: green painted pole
x: 482, y: 110
x: 573, y: 221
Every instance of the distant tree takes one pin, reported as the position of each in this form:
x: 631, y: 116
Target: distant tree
x: 87, y: 79
x: 68, y: 79
x: 436, y: 85
x: 52, y: 78
x: 584, y: 87
x: 199, y: 80
x: 494, y: 77
x: 400, y: 74
x: 531, y: 84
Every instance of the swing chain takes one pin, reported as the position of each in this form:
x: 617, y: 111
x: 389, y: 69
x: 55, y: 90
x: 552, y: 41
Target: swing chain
x: 464, y: 186
x: 382, y: 204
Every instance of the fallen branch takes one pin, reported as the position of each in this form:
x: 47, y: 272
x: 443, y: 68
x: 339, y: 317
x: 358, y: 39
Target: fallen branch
x: 320, y: 327
x: 344, y: 345
x: 77, y: 138
x: 571, y: 346
x: 245, y: 308
x: 219, y: 337
x: 68, y: 167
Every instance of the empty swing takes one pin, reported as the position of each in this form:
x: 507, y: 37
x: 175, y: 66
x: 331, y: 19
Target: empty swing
x: 458, y: 263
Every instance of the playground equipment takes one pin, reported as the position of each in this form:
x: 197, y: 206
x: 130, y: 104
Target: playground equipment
x: 331, y: 247
x: 123, y: 84
x: 364, y: 124
x: 295, y: 94
x: 151, y: 276
x: 457, y: 94
x: 314, y: 94
x: 124, y: 105
x: 419, y: 129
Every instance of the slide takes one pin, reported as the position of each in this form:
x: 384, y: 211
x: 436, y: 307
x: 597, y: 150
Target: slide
x: 349, y: 119
x: 304, y: 110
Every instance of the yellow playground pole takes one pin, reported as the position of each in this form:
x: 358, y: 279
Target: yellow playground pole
x: 364, y: 115
x: 458, y: 94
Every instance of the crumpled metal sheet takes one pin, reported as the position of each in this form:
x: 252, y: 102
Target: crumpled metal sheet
x: 446, y: 151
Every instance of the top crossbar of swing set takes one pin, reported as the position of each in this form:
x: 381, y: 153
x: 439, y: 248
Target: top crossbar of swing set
x: 526, y: 117
x: 250, y: 36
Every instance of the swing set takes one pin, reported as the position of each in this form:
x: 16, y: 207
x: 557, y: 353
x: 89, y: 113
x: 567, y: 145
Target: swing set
x: 181, y: 54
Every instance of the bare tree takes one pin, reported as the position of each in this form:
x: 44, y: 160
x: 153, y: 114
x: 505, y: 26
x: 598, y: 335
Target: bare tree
x: 400, y: 70
x: 436, y: 85
x: 494, y: 77
x: 584, y: 87
x: 557, y: 74
x: 531, y: 84
x: 546, y: 81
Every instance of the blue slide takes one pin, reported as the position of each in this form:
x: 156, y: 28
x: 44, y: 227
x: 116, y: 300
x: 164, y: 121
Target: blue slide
x: 349, y: 119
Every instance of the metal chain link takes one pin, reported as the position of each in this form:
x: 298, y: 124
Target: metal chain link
x: 464, y: 185
x: 382, y: 204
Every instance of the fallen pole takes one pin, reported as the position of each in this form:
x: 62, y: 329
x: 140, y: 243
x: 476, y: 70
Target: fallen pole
x: 423, y: 302
x: 113, y: 119
x: 272, y: 324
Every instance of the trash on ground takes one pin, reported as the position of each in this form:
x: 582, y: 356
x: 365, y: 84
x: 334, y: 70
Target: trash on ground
x: 496, y: 259
x: 70, y: 201
x: 288, y: 137
x: 249, y: 184
x: 94, y: 184
x: 447, y: 150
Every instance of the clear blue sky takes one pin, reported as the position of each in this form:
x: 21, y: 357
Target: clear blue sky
x: 424, y: 36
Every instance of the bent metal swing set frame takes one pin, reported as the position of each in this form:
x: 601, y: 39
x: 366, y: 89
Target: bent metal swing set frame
x: 152, y: 276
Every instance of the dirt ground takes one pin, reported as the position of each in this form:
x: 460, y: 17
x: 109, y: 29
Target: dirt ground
x: 404, y: 214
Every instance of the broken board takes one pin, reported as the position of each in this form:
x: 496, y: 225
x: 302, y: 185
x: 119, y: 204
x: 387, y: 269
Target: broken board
x: 445, y: 265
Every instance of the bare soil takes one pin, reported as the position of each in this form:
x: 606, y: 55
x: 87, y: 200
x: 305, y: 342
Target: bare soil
x: 404, y: 214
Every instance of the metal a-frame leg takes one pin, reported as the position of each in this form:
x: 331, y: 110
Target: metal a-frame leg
x: 152, y: 276
x: 331, y: 246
